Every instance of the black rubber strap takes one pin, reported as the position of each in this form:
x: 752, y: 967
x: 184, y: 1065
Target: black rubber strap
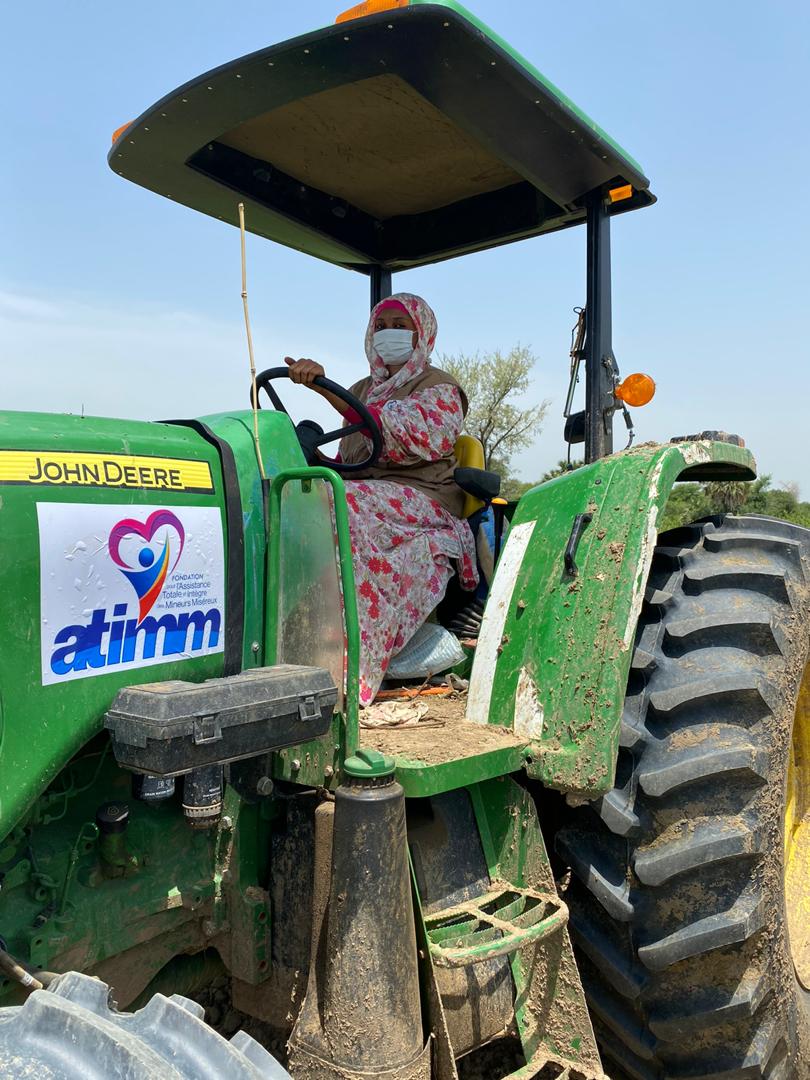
x: 235, y: 569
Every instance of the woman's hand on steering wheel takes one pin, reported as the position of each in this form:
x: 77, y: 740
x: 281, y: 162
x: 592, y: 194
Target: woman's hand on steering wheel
x: 311, y: 435
x: 304, y: 370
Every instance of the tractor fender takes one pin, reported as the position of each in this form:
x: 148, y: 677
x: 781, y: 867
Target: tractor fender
x: 556, y: 641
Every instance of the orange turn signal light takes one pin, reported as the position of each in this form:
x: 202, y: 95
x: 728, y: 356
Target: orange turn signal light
x: 120, y: 131
x: 636, y: 390
x: 617, y: 194
x: 370, y: 7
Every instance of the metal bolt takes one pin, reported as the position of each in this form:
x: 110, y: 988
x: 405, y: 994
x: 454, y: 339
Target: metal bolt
x: 521, y: 605
x: 255, y: 647
x: 328, y: 772
x: 295, y: 765
x: 264, y: 786
x: 226, y: 823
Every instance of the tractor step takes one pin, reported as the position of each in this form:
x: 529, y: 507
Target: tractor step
x: 492, y: 938
x: 496, y: 924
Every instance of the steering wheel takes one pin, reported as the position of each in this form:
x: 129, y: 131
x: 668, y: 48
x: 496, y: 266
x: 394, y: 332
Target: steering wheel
x: 311, y: 435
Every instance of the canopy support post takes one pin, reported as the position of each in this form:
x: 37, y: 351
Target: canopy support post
x: 380, y: 284
x: 600, y: 363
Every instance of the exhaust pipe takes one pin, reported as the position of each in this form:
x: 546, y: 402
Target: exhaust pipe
x: 362, y: 1012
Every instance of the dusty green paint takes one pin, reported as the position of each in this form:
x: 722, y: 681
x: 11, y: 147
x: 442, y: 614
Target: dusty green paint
x: 62, y: 913
x: 550, y: 1008
x: 306, y: 476
x: 420, y: 779
x: 167, y: 890
x: 43, y: 726
x: 280, y: 450
x: 573, y: 637
x: 457, y: 939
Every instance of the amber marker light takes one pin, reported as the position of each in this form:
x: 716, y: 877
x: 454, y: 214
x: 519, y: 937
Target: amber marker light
x: 636, y: 390
x: 120, y: 131
x: 370, y: 7
x: 618, y: 194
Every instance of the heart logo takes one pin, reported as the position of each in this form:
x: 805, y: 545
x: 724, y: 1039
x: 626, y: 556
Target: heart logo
x: 154, y: 564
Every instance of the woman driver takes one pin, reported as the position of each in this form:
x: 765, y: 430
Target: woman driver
x: 405, y: 512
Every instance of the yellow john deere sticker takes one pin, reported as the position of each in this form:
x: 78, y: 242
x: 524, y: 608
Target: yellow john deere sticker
x: 53, y: 468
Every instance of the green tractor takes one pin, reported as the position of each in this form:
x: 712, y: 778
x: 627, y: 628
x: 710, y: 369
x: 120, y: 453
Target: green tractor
x: 598, y: 864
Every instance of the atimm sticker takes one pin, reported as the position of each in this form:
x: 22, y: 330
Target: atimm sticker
x: 124, y: 587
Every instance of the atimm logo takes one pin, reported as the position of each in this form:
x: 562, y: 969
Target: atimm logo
x: 150, y: 578
x: 178, y: 595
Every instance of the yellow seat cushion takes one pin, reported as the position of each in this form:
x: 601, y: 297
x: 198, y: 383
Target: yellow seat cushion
x: 470, y: 455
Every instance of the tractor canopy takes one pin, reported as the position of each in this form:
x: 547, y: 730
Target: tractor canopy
x: 391, y: 140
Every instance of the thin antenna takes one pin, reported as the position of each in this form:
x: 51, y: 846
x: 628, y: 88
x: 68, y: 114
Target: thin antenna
x: 254, y: 396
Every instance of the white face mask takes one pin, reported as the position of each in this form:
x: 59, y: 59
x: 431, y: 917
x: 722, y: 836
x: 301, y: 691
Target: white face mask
x: 393, y: 346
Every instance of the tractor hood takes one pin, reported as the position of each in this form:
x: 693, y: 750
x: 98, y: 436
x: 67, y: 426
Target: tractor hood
x: 393, y: 140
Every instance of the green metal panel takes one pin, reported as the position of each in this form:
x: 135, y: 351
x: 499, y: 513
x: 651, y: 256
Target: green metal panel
x: 549, y: 1006
x: 44, y: 725
x: 550, y: 1009
x: 420, y: 779
x: 554, y: 653
x: 280, y: 450
x: 62, y: 904
x: 344, y: 545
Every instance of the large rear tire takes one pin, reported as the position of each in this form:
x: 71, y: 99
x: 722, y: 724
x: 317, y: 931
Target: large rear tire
x: 690, y: 883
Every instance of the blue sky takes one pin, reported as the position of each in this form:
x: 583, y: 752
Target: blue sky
x: 123, y: 303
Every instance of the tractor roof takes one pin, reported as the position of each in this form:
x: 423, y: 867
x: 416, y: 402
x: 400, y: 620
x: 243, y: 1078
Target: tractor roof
x: 396, y: 139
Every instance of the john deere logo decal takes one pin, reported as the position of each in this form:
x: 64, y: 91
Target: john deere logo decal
x: 54, y: 468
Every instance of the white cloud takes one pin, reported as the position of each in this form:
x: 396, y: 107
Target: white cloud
x: 16, y: 306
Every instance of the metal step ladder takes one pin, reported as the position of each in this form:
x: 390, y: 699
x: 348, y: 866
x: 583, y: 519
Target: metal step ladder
x: 493, y: 944
x: 495, y: 924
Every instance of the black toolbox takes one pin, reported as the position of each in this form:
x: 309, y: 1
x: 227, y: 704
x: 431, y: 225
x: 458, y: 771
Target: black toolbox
x: 169, y: 728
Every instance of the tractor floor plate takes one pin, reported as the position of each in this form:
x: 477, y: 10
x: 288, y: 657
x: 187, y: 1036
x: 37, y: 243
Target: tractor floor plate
x: 444, y: 751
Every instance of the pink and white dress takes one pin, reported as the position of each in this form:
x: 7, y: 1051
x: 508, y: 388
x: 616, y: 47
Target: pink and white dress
x: 405, y: 545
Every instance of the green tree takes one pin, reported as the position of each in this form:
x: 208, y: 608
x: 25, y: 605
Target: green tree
x: 690, y: 502
x: 513, y: 489
x: 560, y: 469
x: 686, y: 503
x: 496, y: 385
x: 728, y: 496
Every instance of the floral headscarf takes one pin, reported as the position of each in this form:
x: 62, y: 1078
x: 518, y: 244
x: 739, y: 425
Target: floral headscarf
x: 383, y: 384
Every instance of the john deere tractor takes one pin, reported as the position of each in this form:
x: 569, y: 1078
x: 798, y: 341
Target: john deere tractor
x: 597, y: 865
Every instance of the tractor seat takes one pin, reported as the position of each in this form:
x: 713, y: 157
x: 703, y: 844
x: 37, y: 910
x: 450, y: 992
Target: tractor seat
x: 461, y: 611
x: 479, y: 486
